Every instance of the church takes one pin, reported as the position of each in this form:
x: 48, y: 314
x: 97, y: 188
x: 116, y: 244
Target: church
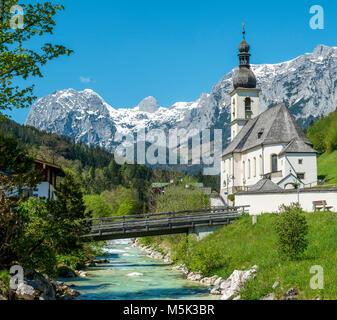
x: 264, y: 146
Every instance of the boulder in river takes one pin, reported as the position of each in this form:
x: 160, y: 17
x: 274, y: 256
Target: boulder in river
x: 235, y: 283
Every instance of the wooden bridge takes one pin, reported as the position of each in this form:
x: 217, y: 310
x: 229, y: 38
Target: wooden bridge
x: 155, y: 224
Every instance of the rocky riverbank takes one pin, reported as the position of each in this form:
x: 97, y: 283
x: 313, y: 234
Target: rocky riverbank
x: 37, y: 286
x: 229, y: 288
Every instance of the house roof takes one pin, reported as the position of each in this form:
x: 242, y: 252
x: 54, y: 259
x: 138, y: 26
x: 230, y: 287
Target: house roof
x: 290, y: 175
x: 297, y: 146
x: 59, y: 171
x: 265, y: 185
x: 275, y: 125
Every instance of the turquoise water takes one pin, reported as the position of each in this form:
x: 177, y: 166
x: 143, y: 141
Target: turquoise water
x: 131, y: 275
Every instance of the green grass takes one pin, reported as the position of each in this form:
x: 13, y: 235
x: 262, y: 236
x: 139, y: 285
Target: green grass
x: 327, y: 167
x: 246, y: 245
x: 242, y: 245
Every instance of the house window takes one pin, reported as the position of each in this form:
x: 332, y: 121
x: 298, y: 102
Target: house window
x: 254, y: 167
x: 274, y: 163
x: 260, y: 134
x: 300, y: 161
x: 301, y: 176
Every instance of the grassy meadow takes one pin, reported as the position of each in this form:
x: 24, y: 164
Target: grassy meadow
x: 242, y: 245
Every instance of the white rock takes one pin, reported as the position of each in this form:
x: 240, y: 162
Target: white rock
x: 25, y: 292
x: 194, y: 276
x: 237, y: 297
x: 216, y: 291
x: 276, y: 284
x: 270, y: 296
x: 217, y: 282
x: 229, y: 295
x: 234, y: 284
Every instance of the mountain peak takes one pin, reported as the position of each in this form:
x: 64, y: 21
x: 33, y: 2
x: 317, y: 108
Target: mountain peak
x: 323, y: 50
x: 148, y: 104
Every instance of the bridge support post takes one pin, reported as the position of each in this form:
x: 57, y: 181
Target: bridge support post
x: 202, y: 232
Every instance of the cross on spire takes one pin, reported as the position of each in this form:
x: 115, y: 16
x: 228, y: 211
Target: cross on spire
x: 243, y: 30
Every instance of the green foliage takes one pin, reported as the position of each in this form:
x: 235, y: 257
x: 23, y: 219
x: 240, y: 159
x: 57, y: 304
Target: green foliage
x: 4, y: 282
x: 14, y: 159
x: 292, y: 229
x: 178, y: 198
x: 327, y: 169
x: 17, y: 59
x: 69, y: 214
x: 117, y: 202
x: 98, y: 206
x: 34, y: 246
x: 323, y: 134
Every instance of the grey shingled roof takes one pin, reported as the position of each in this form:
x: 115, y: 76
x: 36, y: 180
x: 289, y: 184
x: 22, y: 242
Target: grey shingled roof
x: 278, y: 125
x: 297, y: 145
x: 265, y: 185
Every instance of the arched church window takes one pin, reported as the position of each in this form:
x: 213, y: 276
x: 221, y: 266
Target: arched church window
x: 254, y: 167
x: 261, y: 167
x: 249, y: 169
x: 274, y: 163
x: 248, y: 104
x: 244, y: 169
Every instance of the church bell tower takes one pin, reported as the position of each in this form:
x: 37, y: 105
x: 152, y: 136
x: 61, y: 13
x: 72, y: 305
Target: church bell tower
x: 245, y: 98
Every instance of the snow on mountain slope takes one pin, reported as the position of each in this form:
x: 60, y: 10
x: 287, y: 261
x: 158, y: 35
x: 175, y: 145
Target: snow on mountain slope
x: 308, y: 84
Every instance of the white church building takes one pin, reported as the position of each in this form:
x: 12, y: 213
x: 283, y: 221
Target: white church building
x: 264, y: 145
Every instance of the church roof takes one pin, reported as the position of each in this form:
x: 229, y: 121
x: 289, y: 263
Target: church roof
x: 297, y: 146
x: 265, y: 185
x: 275, y: 125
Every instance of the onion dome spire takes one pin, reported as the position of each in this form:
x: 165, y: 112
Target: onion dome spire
x: 244, y: 77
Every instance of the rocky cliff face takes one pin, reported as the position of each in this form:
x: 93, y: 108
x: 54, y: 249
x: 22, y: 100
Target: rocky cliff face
x: 307, y: 84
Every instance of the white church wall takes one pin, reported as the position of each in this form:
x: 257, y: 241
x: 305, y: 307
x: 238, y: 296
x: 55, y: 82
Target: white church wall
x: 255, y: 173
x: 308, y: 166
x: 269, y: 150
x: 270, y: 202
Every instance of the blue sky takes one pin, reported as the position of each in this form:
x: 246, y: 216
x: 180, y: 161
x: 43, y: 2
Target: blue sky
x: 173, y: 50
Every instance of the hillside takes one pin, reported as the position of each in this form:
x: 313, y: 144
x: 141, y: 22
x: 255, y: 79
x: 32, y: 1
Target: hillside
x: 241, y: 245
x: 323, y: 135
x: 327, y: 168
x: 246, y: 245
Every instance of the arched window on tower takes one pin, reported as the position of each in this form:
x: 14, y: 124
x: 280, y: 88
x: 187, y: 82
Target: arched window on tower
x: 248, y: 104
x: 248, y: 108
x: 233, y: 111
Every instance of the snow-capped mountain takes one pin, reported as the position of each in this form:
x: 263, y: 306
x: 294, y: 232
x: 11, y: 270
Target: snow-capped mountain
x: 308, y: 84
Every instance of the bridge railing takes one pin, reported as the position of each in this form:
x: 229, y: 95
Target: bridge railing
x: 222, y: 210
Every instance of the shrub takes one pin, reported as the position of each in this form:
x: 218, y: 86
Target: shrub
x: 199, y: 256
x: 292, y: 229
x: 4, y: 282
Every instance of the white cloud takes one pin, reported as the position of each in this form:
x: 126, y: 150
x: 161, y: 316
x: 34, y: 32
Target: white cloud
x: 85, y: 79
